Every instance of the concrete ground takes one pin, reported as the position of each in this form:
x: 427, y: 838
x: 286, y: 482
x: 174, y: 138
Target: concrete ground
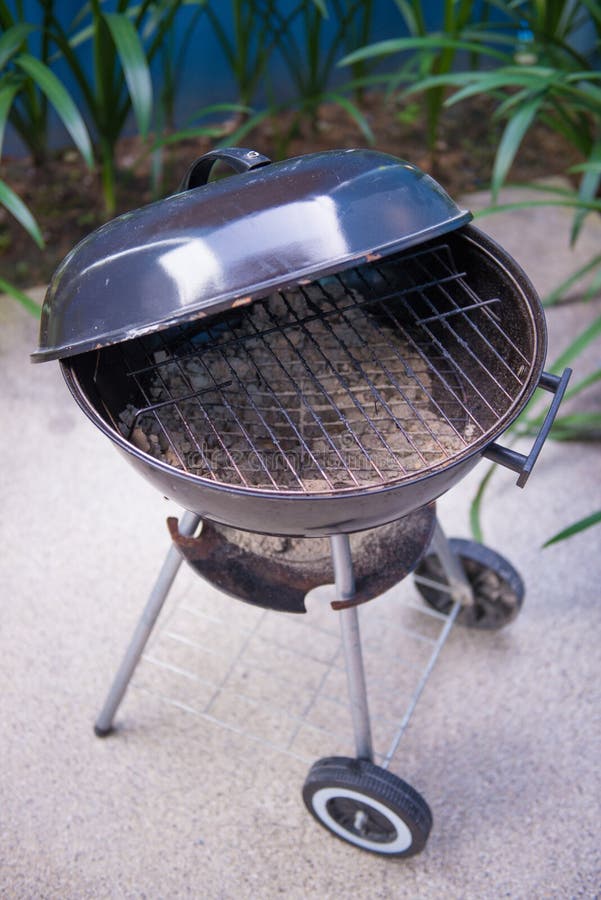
x: 504, y: 744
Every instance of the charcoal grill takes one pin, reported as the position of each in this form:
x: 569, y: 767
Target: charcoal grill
x: 310, y: 349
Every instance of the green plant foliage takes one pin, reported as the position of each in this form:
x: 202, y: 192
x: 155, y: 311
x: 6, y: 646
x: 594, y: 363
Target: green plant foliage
x: 37, y: 85
x: 426, y: 58
x: 561, y: 87
x: 13, y: 203
x: 171, y: 54
x: 47, y: 82
x: 135, y: 67
x: 311, y: 53
x: 258, y: 27
x: 26, y: 302
x: 122, y: 43
x: 585, y: 426
x: 543, y: 80
x: 27, y: 85
x: 569, y: 102
x: 575, y: 528
x: 309, y: 37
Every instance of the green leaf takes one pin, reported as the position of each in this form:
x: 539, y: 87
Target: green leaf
x: 586, y: 167
x: 580, y: 426
x: 576, y: 347
x: 355, y: 113
x: 575, y: 528
x: 476, y: 505
x: 214, y: 129
x: 527, y: 204
x: 482, y: 35
x: 246, y: 127
x: 504, y: 109
x: 82, y: 36
x: 487, y: 84
x: 583, y: 384
x: 12, y: 40
x: 184, y: 134
x: 537, y: 79
x: 17, y: 208
x: 569, y: 426
x: 451, y: 78
x: 62, y: 102
x: 552, y: 189
x: 135, y: 67
x: 30, y: 305
x: 413, y: 16
x: 594, y: 287
x: 7, y: 95
x: 589, y: 185
x: 515, y: 130
x: 322, y: 7
x: 214, y: 108
x: 433, y: 43
x: 574, y: 278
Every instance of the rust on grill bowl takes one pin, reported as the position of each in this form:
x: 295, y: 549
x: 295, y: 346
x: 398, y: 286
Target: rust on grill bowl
x: 279, y: 572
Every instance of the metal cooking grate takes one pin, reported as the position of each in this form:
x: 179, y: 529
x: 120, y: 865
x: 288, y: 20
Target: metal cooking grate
x: 357, y: 380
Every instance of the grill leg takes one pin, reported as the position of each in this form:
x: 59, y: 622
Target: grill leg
x: 104, y: 722
x: 351, y: 642
x: 460, y: 588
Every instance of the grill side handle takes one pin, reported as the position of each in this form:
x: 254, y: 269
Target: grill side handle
x: 240, y: 159
x: 520, y: 462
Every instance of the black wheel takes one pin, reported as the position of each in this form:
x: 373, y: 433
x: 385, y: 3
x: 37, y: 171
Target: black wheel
x: 367, y: 806
x: 498, y: 589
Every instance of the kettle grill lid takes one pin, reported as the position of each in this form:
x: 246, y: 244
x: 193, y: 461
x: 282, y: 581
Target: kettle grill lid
x: 223, y: 244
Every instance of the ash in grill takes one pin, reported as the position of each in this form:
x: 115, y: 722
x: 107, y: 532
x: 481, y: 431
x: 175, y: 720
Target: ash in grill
x: 357, y: 380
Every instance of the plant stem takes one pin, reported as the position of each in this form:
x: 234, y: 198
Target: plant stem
x: 107, y: 156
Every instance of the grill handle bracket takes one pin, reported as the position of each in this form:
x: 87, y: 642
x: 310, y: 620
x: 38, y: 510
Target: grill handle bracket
x: 240, y: 159
x: 520, y: 462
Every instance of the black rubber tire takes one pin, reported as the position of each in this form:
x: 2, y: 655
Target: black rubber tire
x: 367, y: 806
x: 498, y: 589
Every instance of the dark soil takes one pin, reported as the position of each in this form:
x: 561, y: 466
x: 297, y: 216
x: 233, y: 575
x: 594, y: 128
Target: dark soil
x: 67, y: 201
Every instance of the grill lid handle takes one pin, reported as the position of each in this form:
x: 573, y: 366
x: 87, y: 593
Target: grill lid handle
x: 519, y: 462
x: 240, y: 159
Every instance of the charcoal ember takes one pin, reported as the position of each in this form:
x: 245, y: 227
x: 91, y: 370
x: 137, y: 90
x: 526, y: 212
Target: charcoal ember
x: 140, y: 439
x: 127, y: 417
x: 172, y: 458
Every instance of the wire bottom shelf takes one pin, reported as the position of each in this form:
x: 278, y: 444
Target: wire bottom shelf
x: 279, y: 679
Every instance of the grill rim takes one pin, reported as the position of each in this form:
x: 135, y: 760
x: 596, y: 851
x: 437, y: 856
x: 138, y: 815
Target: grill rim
x: 511, y: 272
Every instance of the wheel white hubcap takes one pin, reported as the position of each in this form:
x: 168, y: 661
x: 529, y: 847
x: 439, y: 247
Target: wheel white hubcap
x: 400, y: 842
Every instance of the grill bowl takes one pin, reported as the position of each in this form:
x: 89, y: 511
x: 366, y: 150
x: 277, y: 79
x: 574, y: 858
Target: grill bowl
x: 488, y: 379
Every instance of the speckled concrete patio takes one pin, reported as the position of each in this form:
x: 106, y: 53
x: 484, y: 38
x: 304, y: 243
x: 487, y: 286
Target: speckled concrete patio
x: 504, y: 743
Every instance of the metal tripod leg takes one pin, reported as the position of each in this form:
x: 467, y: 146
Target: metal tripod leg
x: 460, y: 591
x: 104, y: 722
x: 351, y: 642
x: 459, y: 587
